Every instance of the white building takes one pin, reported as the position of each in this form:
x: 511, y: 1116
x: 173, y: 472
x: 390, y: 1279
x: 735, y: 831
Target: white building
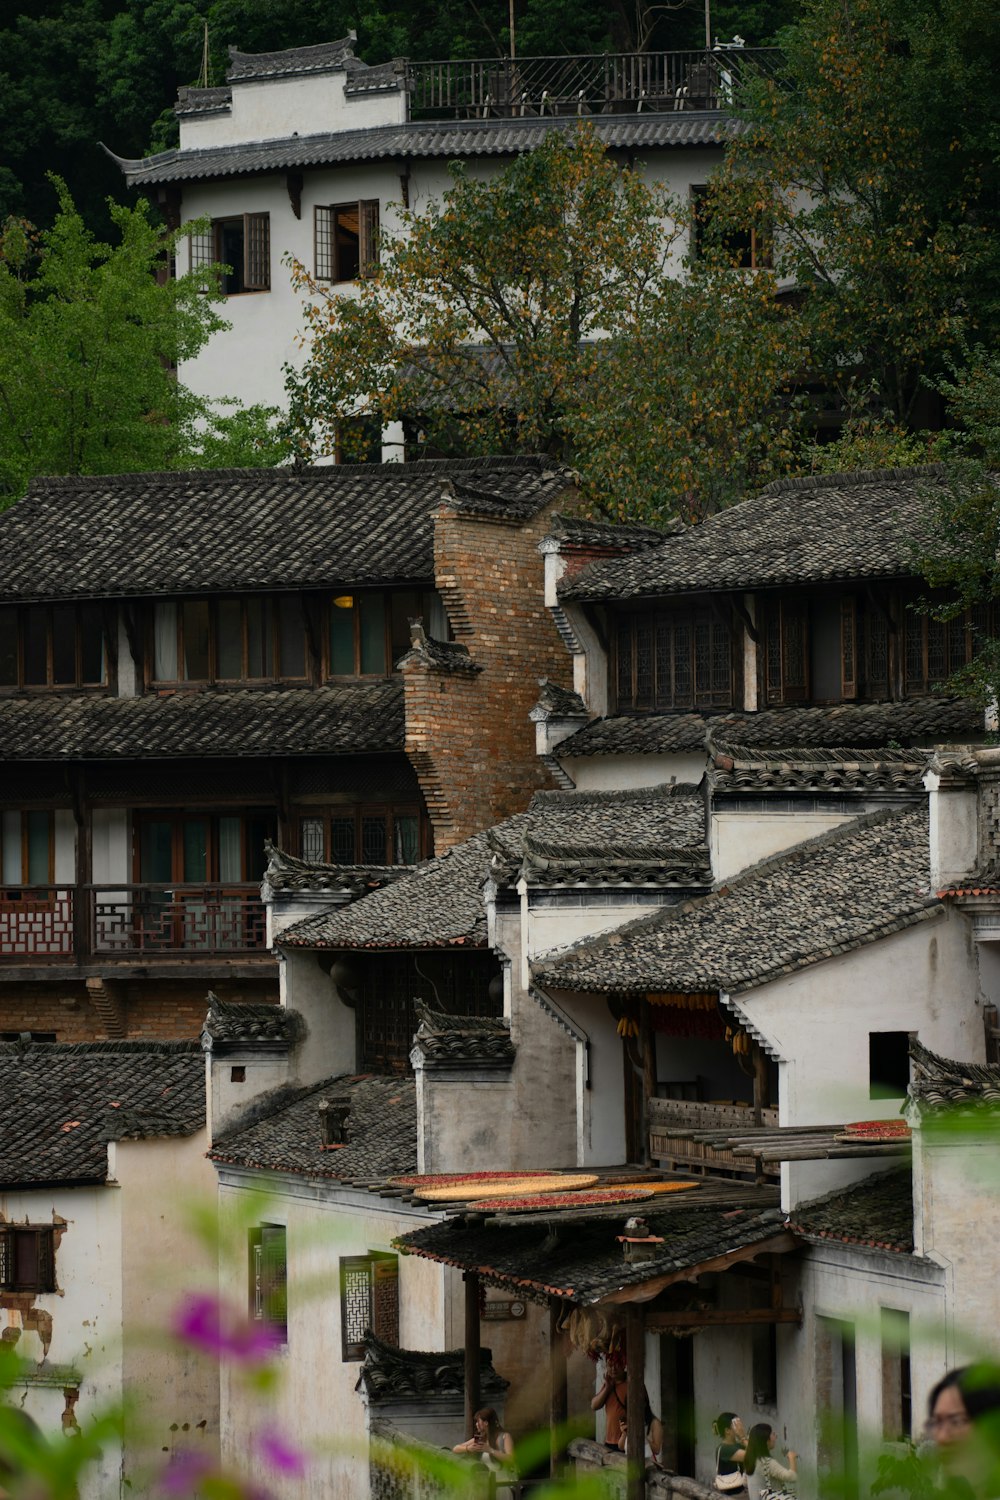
x: 307, y: 152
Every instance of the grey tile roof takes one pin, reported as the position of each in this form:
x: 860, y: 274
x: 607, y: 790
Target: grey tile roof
x: 232, y: 1023
x: 583, y: 1261
x: 876, y: 1214
x: 205, y: 530
x: 286, y: 1134
x: 762, y: 768
x: 191, y: 101
x: 354, y: 717
x: 63, y: 1103
x: 942, y: 1083
x: 579, y: 531
x: 651, y: 835
x: 437, y: 904
x: 850, y: 886
x: 389, y: 1374
x: 915, y: 721
x: 558, y: 702
x: 447, y: 1038
x: 417, y: 140
x: 438, y: 656
x: 827, y: 527
x: 287, y: 873
x: 292, y: 62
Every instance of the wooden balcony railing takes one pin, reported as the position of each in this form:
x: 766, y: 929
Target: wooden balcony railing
x: 129, y: 921
x: 684, y: 1135
x: 600, y: 83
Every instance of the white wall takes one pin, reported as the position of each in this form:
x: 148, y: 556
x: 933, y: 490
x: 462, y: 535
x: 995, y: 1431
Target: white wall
x: 957, y: 1214
x: 740, y: 839
x: 593, y: 773
x: 921, y: 980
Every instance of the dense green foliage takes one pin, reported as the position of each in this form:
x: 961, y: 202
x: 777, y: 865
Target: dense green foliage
x: 76, y: 72
x: 89, y: 338
x: 542, y: 310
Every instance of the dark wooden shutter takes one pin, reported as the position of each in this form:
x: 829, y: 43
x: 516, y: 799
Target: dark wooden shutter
x: 257, y: 252
x: 848, y: 648
x: 274, y: 1277
x: 385, y: 1297
x: 367, y: 236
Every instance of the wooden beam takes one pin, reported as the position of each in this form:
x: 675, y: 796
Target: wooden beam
x: 647, y: 1041
x: 558, y: 1403
x: 635, y: 1402
x: 777, y: 1244
x: 722, y: 1317
x: 471, y: 1350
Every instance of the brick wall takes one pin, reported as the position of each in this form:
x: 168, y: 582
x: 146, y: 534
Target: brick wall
x: 467, y: 733
x: 160, y: 1010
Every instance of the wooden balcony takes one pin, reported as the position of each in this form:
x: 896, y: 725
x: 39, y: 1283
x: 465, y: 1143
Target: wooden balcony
x: 94, y: 923
x: 596, y: 84
x: 683, y: 1134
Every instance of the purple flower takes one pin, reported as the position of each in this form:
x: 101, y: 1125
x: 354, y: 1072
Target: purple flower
x: 184, y: 1473
x: 280, y: 1454
x: 207, y: 1323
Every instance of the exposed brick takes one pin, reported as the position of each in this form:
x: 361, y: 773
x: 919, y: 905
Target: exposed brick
x: 161, y: 1010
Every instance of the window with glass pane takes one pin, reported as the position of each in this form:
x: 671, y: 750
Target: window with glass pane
x: 228, y: 639
x: 342, y: 636
x: 165, y: 642
x: 373, y: 841
x: 404, y: 606
x: 8, y: 647
x: 406, y: 839
x: 38, y: 827
x: 194, y: 627
x: 92, y: 668
x: 260, y: 638
x: 311, y: 839
x: 10, y: 847
x: 673, y: 660
x: 291, y: 638
x: 372, y: 609
x: 64, y: 645
x: 231, y: 849
x: 342, y: 841
x: 35, y: 646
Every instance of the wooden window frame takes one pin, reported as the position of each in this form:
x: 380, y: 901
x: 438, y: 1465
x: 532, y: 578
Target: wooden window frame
x: 277, y: 676
x: 45, y: 1258
x: 326, y: 258
x: 388, y: 812
x: 380, y: 1269
x: 49, y: 898
x: 267, y: 1294
x: 176, y: 817
x: 206, y: 250
x: 778, y: 615
x: 664, y: 697
x: 49, y: 686
x: 759, y: 255
x: 918, y: 626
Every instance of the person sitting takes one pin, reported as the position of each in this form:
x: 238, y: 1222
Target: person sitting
x: 730, y: 1453
x: 765, y: 1475
x: 492, y: 1442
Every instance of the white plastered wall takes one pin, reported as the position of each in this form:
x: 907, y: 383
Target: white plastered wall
x: 740, y: 839
x: 596, y: 773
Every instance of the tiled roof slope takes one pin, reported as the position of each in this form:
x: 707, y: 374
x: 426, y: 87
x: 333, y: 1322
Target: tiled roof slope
x: 830, y: 526
x: 382, y: 1133
x: 205, y: 530
x: 355, y: 717
x: 415, y: 140
x: 649, y: 834
x: 446, y: 1038
x: 877, y: 1214
x: 232, y: 1023
x: 390, y: 1374
x: 941, y: 1082
x: 63, y: 1103
x: 760, y: 768
x: 915, y: 721
x: 436, y: 904
x: 287, y: 873
x: 578, y: 531
x: 585, y: 1262
x: 824, y: 897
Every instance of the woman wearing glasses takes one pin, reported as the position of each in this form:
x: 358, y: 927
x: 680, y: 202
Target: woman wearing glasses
x: 964, y: 1423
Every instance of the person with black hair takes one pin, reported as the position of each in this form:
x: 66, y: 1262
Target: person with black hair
x: 963, y: 1419
x: 492, y: 1442
x: 729, y: 1476
x: 766, y: 1477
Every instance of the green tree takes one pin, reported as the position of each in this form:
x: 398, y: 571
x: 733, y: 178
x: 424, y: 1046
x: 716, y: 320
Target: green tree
x: 542, y: 310
x: 878, y: 194
x: 89, y: 339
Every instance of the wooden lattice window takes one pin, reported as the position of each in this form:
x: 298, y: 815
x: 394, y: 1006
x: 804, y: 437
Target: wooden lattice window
x: 27, y: 1258
x: 386, y: 1017
x: 241, y: 243
x: 346, y: 239
x: 365, y: 835
x: 369, y: 1299
x: 786, y: 652
x: 934, y: 649
x: 675, y: 659
x: 268, y: 1266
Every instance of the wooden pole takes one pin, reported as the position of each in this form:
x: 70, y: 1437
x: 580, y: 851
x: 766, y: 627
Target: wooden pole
x: 558, y: 1407
x: 471, y: 1350
x: 647, y: 1041
x: 635, y: 1401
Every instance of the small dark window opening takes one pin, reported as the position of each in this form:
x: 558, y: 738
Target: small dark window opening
x: 765, y: 1365
x: 888, y: 1064
x: 238, y: 1075
x: 27, y: 1258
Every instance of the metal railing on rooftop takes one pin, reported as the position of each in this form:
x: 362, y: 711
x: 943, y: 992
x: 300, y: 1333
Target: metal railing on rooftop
x: 596, y: 84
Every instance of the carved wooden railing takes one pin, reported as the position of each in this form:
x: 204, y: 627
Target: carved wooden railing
x: 598, y: 83
x: 679, y: 1130
x: 128, y: 921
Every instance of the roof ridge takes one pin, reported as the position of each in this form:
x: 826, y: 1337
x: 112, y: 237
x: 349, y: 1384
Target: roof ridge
x: 665, y: 791
x: 846, y: 478
x: 116, y: 1045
